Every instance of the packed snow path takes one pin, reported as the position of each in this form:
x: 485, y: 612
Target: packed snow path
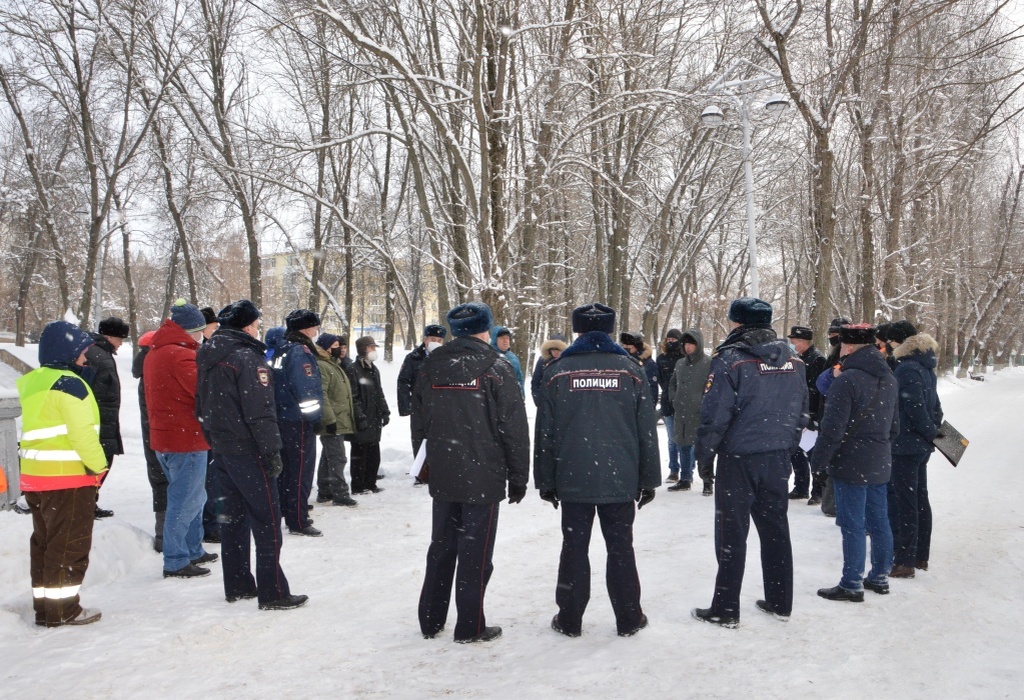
x: 951, y: 632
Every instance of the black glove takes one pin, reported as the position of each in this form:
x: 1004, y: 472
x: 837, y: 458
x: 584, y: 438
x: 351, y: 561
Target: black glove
x: 516, y: 493
x: 385, y: 420
x: 643, y: 497
x: 332, y: 429
x: 274, y: 465
x: 551, y: 497
x: 318, y: 427
x: 362, y: 424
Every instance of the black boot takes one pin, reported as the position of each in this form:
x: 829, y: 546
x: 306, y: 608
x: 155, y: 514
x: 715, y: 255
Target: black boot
x: 709, y: 488
x: 679, y: 486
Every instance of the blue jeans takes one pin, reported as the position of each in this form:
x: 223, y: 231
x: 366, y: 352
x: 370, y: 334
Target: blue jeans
x: 673, y: 451
x: 186, y: 495
x: 686, y: 462
x: 862, y: 510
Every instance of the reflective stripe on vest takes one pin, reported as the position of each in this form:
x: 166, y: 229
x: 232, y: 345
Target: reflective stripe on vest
x: 50, y: 455
x: 44, y: 433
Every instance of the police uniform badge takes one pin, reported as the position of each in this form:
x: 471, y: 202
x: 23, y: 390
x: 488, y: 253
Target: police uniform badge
x: 707, y: 385
x: 263, y: 374
x: 309, y: 369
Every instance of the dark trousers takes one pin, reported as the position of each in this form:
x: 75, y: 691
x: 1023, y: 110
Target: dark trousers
x: 330, y: 474
x: 461, y: 534
x: 365, y: 460
x: 573, y: 591
x: 753, y: 486
x: 249, y: 505
x: 62, y: 523
x: 802, y: 479
x: 910, y: 512
x: 298, y: 453
x: 155, y: 474
x: 210, y: 509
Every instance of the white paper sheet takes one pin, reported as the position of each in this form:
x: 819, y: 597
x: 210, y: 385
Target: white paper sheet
x: 419, y: 461
x: 808, y: 439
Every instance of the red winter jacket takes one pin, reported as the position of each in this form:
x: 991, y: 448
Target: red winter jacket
x: 170, y: 382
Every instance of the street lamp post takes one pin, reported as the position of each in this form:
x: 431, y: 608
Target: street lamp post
x: 713, y: 117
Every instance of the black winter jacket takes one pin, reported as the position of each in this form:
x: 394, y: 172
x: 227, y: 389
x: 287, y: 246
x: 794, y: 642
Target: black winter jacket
x: 407, y: 378
x: 235, y: 395
x: 814, y: 363
x: 469, y: 408
x: 666, y: 362
x: 596, y: 434
x: 920, y: 410
x: 138, y: 362
x: 106, y: 386
x: 860, y: 421
x: 756, y: 397
x: 368, y: 393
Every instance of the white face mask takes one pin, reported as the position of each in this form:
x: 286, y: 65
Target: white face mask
x: 432, y: 346
x: 371, y: 356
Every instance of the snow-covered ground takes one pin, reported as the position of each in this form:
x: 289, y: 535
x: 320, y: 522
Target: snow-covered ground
x: 952, y: 632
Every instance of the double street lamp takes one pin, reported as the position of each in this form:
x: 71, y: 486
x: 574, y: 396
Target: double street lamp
x: 744, y: 94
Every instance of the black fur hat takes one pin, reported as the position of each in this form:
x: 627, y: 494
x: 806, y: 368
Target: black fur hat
x: 113, y: 327
x: 749, y: 311
x: 593, y: 317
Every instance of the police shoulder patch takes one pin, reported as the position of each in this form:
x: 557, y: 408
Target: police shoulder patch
x: 711, y: 380
x: 72, y: 386
x: 263, y: 375
x: 308, y: 369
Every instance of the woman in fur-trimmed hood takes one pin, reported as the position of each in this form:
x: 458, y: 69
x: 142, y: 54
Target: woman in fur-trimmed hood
x: 549, y: 352
x: 920, y: 414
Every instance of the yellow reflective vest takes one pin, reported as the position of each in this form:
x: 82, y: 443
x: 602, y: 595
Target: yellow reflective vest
x: 60, y: 443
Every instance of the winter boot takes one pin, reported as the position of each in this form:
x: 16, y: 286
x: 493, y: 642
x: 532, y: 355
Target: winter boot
x: 711, y: 617
x: 902, y: 571
x: 487, y: 635
x: 158, y: 530
x: 709, y: 488
x: 679, y: 486
x: 842, y: 594
x: 286, y: 603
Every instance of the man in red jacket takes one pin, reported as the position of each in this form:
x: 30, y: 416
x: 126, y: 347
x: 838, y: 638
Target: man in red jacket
x: 177, y: 438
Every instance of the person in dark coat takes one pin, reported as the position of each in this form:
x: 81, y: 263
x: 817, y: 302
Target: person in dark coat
x: 920, y: 413
x: 801, y: 338
x: 671, y: 353
x: 641, y: 353
x: 155, y: 474
x: 853, y: 444
x: 433, y: 338
x: 235, y: 405
x: 686, y: 392
x: 501, y: 340
x: 754, y: 408
x: 298, y: 392
x: 211, y: 528
x: 468, y: 411
x: 596, y: 452
x: 882, y: 343
x: 549, y: 352
x: 369, y: 394
x: 106, y: 387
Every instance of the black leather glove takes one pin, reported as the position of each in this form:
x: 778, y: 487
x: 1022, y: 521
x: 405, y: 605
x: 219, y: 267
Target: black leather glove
x: 516, y: 493
x: 274, y: 466
x: 362, y: 424
x: 551, y: 497
x: 332, y: 429
x: 643, y: 497
x: 385, y: 420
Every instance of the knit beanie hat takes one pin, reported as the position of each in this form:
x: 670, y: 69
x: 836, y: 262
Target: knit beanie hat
x: 188, y: 316
x: 901, y: 330
x: 326, y: 340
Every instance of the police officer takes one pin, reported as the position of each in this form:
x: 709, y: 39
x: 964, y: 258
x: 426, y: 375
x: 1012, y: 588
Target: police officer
x: 235, y: 404
x: 801, y: 338
x: 468, y: 408
x: 298, y: 390
x: 754, y: 407
x: 433, y: 338
x: 596, y: 451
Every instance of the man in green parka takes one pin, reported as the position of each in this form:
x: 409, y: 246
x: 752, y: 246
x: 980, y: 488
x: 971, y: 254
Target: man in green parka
x: 339, y: 419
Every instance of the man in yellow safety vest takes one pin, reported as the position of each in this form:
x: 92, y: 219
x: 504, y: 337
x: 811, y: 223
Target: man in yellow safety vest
x: 62, y: 465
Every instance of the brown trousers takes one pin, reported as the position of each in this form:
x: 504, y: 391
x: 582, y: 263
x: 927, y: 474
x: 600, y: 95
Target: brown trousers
x: 61, y: 539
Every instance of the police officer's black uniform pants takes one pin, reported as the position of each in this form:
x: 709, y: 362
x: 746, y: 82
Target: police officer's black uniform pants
x: 753, y: 486
x: 298, y: 454
x: 573, y: 591
x: 250, y: 504
x: 462, y: 534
